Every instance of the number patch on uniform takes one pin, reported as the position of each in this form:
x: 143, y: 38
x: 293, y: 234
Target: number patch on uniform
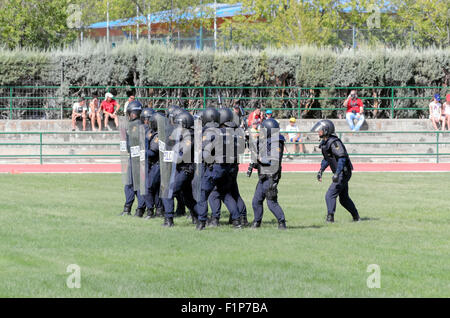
x: 135, y: 151
x: 123, y: 146
x: 168, y: 156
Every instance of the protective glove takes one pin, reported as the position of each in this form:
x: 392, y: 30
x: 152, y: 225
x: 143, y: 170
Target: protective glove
x: 335, y: 177
x: 319, y: 175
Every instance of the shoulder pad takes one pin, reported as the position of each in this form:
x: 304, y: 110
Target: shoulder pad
x: 337, y: 148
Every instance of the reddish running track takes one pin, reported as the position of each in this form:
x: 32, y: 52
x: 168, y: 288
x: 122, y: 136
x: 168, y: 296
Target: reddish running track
x: 287, y: 167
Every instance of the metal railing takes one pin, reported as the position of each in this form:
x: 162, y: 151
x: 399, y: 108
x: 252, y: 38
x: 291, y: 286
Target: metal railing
x: 295, y: 99
x: 42, y: 155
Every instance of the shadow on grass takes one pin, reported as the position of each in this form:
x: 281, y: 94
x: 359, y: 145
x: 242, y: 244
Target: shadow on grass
x: 369, y: 219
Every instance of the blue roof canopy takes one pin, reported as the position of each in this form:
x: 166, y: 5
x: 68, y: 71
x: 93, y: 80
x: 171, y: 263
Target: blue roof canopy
x: 223, y: 11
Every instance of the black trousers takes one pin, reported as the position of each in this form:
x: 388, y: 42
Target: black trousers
x: 340, y: 189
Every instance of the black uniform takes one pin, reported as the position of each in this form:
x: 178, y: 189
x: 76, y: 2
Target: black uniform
x: 335, y: 155
x: 267, y: 184
x: 154, y: 177
x: 183, y: 175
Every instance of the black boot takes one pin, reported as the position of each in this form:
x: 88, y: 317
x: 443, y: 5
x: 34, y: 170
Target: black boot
x: 200, y: 225
x: 230, y: 220
x: 168, y: 222
x: 159, y: 212
x: 330, y: 218
x: 126, y: 210
x: 282, y: 225
x: 139, y: 212
x: 256, y: 224
x: 214, y: 222
x: 150, y: 214
x: 356, y: 217
x: 194, y: 219
x: 237, y: 224
x: 244, y: 220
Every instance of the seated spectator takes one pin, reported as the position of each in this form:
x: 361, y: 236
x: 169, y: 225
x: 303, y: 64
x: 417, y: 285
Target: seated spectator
x: 130, y: 99
x: 355, y: 110
x: 293, y: 135
x: 269, y: 114
x: 95, y: 114
x: 109, y: 111
x: 436, y: 111
x: 256, y: 114
x: 446, y: 111
x: 79, y: 110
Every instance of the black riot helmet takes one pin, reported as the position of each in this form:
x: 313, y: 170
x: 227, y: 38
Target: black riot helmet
x: 135, y: 107
x: 225, y: 115
x: 270, y: 124
x: 326, y: 126
x: 184, y: 119
x: 170, y: 110
x: 146, y: 114
x: 154, y: 121
x: 210, y: 114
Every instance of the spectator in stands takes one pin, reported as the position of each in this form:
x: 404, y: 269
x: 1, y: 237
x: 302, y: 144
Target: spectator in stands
x: 79, y: 110
x: 294, y: 135
x: 256, y: 114
x: 446, y: 110
x: 436, y: 111
x: 130, y: 99
x: 109, y: 110
x: 95, y: 113
x: 355, y: 110
x: 269, y: 114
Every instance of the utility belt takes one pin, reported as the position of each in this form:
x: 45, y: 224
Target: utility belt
x: 264, y: 177
x: 345, y: 171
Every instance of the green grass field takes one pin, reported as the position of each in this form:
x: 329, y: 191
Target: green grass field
x: 51, y: 221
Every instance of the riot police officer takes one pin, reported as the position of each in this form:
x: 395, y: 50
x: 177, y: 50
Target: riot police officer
x: 152, y: 201
x: 235, y: 139
x: 133, y: 113
x: 335, y: 155
x: 216, y: 173
x: 183, y: 147
x: 172, y: 112
x: 268, y: 163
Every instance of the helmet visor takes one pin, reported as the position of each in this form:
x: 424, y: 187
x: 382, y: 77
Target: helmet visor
x: 318, y: 126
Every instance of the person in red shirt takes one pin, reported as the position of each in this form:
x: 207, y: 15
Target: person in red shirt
x: 109, y: 110
x: 254, y: 115
x: 355, y: 110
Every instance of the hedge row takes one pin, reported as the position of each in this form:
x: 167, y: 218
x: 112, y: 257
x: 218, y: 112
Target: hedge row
x: 151, y: 65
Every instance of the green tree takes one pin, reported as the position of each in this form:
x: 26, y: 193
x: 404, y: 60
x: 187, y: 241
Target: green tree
x: 34, y: 23
x: 430, y: 20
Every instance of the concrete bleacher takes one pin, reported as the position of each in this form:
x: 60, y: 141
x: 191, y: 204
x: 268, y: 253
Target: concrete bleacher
x: 415, y: 130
